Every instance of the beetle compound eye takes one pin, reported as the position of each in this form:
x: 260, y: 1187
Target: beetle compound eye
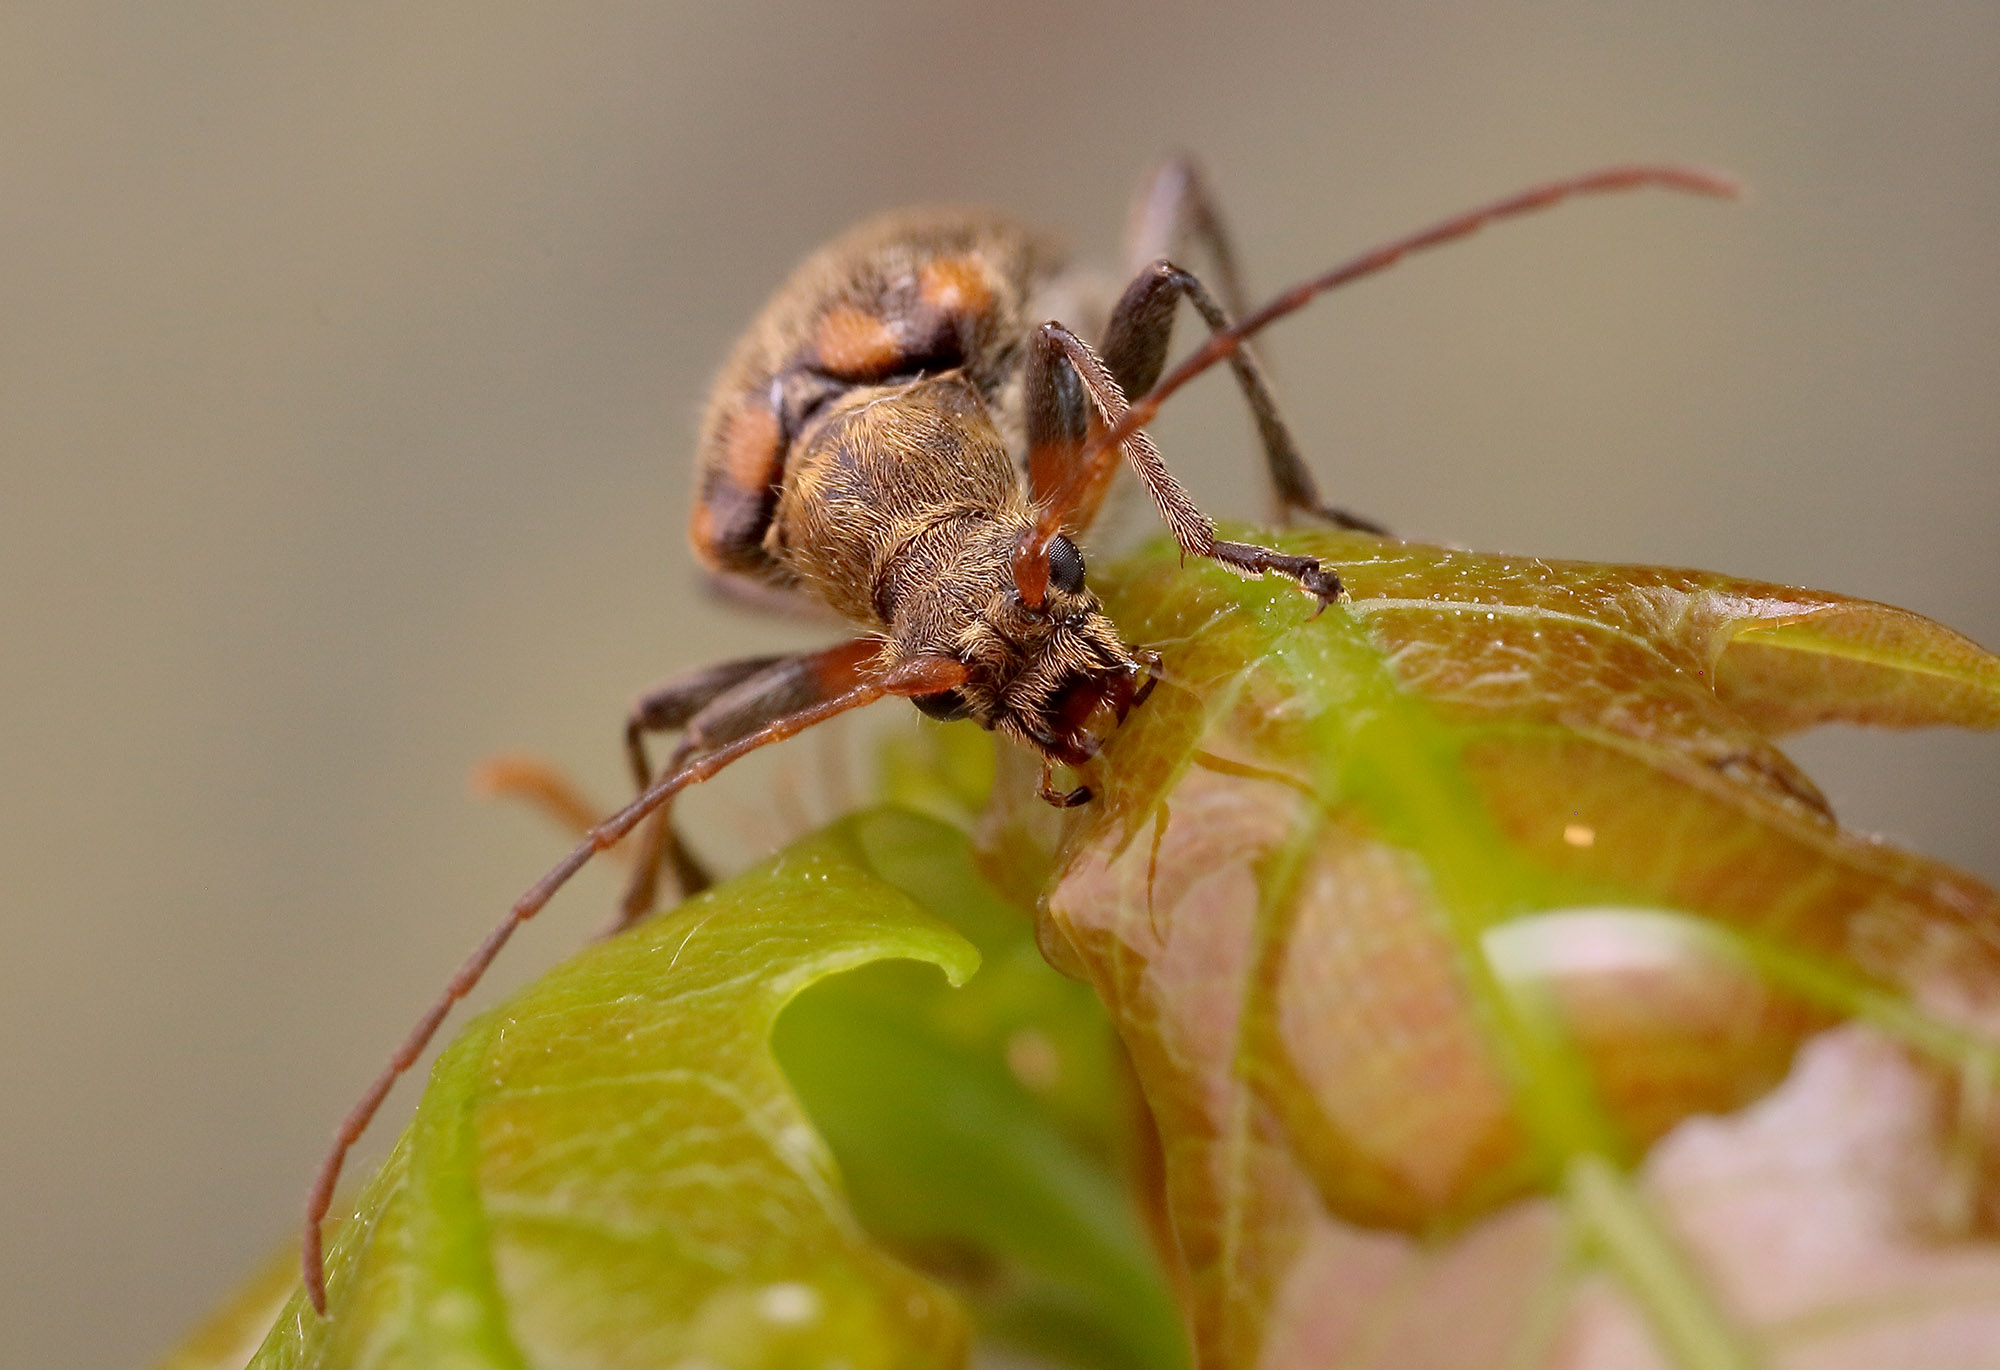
x: 1065, y: 566
x: 946, y: 706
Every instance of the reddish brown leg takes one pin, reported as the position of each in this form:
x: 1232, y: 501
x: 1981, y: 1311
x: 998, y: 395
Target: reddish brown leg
x: 547, y: 789
x: 849, y: 679
x: 541, y: 786
x: 1063, y: 476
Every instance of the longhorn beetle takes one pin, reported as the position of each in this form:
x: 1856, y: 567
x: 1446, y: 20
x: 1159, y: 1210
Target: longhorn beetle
x: 899, y: 439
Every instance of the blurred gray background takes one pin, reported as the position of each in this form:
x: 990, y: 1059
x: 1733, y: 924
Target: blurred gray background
x: 350, y: 362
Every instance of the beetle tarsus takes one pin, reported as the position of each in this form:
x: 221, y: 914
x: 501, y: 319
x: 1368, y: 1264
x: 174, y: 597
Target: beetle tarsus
x: 1248, y: 559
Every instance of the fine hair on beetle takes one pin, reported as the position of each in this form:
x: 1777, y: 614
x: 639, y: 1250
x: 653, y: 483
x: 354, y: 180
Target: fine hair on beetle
x: 914, y: 436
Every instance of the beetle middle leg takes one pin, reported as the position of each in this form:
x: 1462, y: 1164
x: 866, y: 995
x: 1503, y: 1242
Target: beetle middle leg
x: 1174, y: 207
x: 1135, y: 349
x: 668, y: 707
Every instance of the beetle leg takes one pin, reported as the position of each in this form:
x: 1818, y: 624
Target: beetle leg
x: 542, y: 787
x: 1135, y: 348
x: 1049, y: 794
x: 1065, y: 476
x: 675, y: 704
x: 714, y: 707
x: 1065, y: 380
x: 1173, y: 208
x: 1056, y: 415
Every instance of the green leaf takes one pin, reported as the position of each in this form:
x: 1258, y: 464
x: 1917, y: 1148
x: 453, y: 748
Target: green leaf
x: 975, y: 1128
x: 610, y: 1170
x: 1431, y: 923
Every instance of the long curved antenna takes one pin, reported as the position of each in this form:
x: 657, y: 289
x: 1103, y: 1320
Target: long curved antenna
x: 917, y: 676
x: 1219, y: 346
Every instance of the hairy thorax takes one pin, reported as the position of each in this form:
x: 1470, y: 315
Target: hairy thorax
x: 901, y: 509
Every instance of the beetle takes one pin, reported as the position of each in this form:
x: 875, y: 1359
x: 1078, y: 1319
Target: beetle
x: 906, y: 438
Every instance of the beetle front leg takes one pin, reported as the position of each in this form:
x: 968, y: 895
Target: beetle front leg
x: 1064, y: 476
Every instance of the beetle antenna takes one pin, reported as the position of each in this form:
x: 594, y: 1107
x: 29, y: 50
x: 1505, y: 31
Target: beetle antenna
x: 916, y: 676
x: 1224, y: 343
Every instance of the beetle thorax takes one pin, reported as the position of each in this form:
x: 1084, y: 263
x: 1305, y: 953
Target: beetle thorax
x: 901, y: 510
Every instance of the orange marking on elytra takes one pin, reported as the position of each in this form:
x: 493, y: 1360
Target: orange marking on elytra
x: 955, y: 285
x: 701, y: 535
x: 751, y: 459
x: 854, y: 343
